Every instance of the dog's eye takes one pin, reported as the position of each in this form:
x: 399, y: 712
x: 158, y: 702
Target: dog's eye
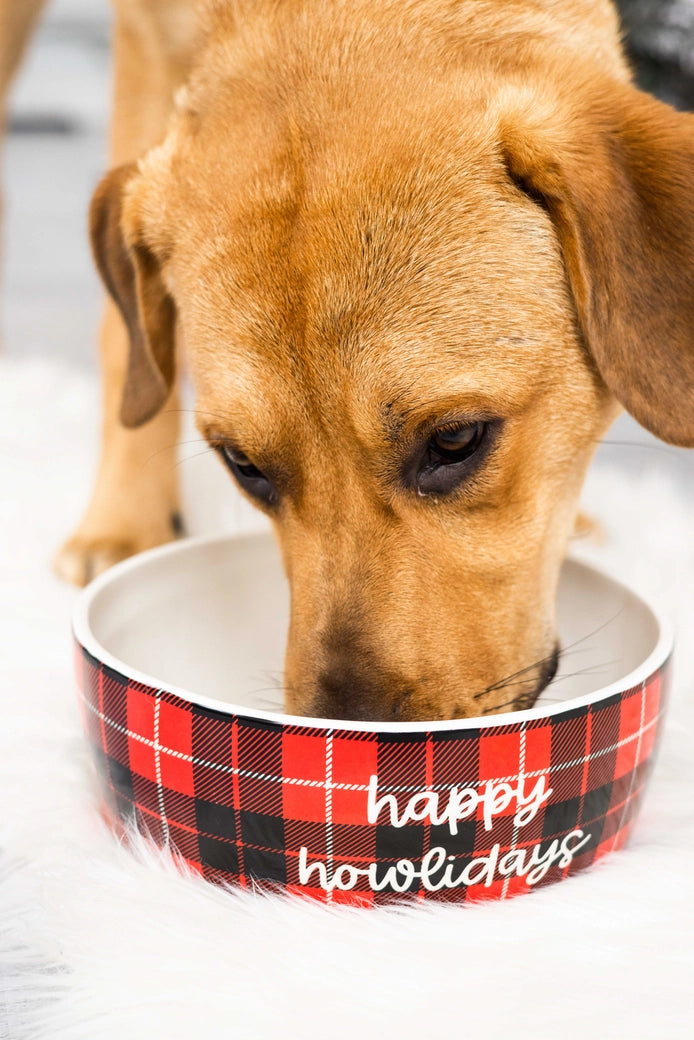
x: 249, y: 476
x: 454, y: 442
x: 450, y: 456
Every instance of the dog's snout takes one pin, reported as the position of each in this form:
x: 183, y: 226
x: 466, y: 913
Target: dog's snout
x: 352, y: 691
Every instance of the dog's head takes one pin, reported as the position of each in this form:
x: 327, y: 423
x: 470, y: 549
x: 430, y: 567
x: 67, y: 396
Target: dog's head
x: 410, y: 307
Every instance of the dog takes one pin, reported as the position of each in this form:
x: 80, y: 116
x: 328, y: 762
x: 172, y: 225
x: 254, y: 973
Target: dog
x: 418, y: 255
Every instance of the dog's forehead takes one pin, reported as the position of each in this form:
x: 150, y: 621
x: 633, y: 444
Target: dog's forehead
x: 373, y: 270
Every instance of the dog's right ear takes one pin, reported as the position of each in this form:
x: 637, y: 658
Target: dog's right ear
x: 131, y: 273
x: 614, y: 170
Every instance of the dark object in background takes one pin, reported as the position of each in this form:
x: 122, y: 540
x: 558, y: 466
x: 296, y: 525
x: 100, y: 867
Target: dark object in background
x: 41, y: 123
x: 659, y: 36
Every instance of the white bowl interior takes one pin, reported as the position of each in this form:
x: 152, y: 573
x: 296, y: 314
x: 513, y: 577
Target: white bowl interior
x: 210, y: 617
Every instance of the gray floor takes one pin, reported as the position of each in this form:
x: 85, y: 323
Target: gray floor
x: 51, y: 296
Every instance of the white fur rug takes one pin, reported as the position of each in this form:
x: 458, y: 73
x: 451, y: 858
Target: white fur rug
x: 97, y: 943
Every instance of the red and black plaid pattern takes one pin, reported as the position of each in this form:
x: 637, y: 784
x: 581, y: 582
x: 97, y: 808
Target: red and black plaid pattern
x: 458, y: 814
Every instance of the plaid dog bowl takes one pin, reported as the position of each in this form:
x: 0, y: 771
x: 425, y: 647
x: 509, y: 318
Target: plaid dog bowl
x: 363, y: 813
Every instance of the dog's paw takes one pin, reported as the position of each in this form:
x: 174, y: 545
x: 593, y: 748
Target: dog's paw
x: 87, y: 554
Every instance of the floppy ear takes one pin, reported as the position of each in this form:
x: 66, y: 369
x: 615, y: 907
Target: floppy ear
x: 131, y: 274
x: 617, y: 179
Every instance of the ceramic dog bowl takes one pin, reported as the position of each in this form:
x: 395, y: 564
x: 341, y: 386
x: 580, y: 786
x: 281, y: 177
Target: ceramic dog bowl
x: 355, y: 812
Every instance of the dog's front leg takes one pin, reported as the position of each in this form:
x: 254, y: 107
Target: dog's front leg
x: 17, y: 20
x: 135, y: 503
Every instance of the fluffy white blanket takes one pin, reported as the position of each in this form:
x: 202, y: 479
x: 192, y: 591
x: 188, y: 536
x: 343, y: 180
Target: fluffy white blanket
x: 99, y: 943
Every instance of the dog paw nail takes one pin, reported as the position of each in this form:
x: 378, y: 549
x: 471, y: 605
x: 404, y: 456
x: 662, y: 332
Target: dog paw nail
x: 177, y: 525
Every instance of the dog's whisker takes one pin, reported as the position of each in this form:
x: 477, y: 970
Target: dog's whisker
x: 278, y: 688
x: 509, y: 684
x: 508, y: 679
x: 635, y: 444
x: 189, y: 458
x: 498, y: 707
x: 598, y: 669
x: 268, y: 697
x: 197, y: 411
x: 514, y: 675
x: 268, y: 703
x: 170, y: 447
x: 563, y: 652
x: 502, y: 683
x: 594, y: 632
x: 275, y: 686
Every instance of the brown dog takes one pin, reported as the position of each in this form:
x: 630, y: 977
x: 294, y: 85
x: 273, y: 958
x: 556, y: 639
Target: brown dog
x: 418, y: 253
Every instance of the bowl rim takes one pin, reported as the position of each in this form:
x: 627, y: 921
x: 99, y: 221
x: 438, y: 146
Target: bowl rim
x: 83, y: 634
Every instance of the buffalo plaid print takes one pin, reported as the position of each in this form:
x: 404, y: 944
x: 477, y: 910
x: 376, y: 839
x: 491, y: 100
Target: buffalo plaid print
x: 240, y: 798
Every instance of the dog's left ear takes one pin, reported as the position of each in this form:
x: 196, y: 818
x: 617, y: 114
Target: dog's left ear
x: 132, y: 275
x: 617, y: 179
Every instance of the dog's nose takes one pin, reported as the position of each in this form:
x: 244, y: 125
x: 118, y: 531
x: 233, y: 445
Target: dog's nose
x: 351, y: 692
